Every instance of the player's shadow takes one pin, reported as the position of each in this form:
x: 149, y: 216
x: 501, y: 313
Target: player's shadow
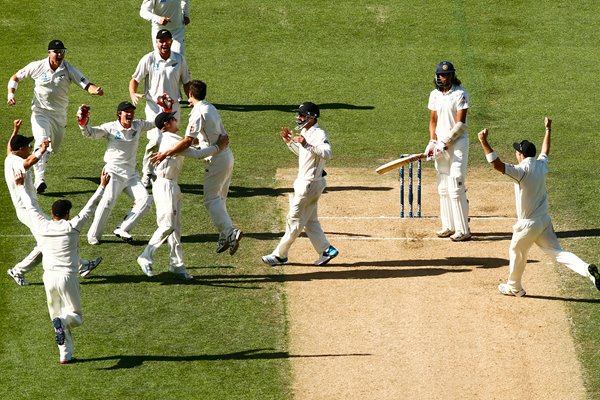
x: 569, y: 299
x: 133, y: 361
x: 242, y: 191
x: 287, y: 107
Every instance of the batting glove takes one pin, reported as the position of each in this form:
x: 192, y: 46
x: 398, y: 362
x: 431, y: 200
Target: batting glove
x: 83, y: 115
x: 165, y: 102
x: 429, y: 149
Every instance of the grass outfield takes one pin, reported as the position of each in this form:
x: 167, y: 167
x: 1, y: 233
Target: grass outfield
x: 370, y: 66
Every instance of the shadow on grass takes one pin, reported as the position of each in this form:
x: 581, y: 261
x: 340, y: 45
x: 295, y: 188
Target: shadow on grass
x: 287, y: 107
x: 568, y: 299
x: 133, y: 361
x: 242, y: 191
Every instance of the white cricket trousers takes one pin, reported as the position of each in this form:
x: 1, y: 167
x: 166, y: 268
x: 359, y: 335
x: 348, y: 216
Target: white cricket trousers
x: 217, y: 178
x: 167, y: 200
x: 303, y: 216
x: 34, y: 258
x: 46, y: 124
x: 135, y: 190
x: 64, y: 301
x: 452, y: 174
x: 539, y: 231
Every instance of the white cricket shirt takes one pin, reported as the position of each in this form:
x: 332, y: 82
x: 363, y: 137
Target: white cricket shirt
x: 51, y: 90
x: 446, y: 105
x: 531, y: 196
x: 312, y: 157
x: 162, y: 76
x: 12, y: 165
x: 153, y: 10
x: 121, y: 151
x: 205, y: 124
x: 60, y: 239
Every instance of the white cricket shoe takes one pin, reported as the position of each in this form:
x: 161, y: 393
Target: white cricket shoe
x: 507, y: 290
x: 88, y: 266
x: 329, y: 254
x: 461, y: 237
x: 273, y: 260
x: 120, y: 233
x: 146, y: 266
x: 444, y: 233
x: 93, y: 241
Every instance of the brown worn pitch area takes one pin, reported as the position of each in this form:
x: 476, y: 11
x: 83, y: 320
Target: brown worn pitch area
x: 401, y: 314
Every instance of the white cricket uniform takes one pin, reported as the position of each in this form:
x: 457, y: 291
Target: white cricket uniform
x: 12, y: 165
x: 452, y: 164
x: 60, y: 248
x: 308, y: 187
x: 153, y: 10
x: 120, y: 159
x: 49, y: 104
x: 167, y: 199
x: 160, y: 76
x: 206, y: 125
x: 533, y: 221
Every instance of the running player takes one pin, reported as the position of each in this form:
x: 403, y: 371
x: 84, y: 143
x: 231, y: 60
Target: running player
x: 167, y: 196
x: 52, y: 77
x: 313, y: 149
x: 206, y: 126
x: 123, y: 136
x: 533, y: 220
x: 163, y: 72
x: 59, y: 240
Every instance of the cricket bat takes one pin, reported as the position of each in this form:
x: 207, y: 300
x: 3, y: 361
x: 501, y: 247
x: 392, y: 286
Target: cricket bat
x: 399, y: 162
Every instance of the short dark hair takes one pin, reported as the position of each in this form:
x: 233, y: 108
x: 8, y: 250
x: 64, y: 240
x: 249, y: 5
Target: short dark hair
x: 198, y: 89
x: 61, y: 208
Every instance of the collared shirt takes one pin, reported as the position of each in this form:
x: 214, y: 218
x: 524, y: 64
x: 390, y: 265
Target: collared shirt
x: 446, y: 105
x: 51, y: 90
x: 531, y: 196
x: 162, y: 76
x: 153, y: 10
x: 205, y: 124
x: 121, y: 151
x: 12, y: 165
x: 312, y: 157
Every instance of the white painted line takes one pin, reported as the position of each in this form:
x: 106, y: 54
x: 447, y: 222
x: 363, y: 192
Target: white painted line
x: 408, y: 219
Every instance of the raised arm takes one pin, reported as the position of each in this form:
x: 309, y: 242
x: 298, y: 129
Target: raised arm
x: 16, y: 126
x: 546, y: 142
x: 13, y: 83
x: 490, y: 154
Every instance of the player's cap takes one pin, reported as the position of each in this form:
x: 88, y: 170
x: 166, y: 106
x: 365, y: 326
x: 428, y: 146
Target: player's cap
x: 526, y: 148
x: 56, y: 45
x: 309, y: 109
x: 20, y: 141
x: 61, y: 208
x: 124, y: 105
x: 445, y: 67
x: 163, y: 118
x: 164, y: 34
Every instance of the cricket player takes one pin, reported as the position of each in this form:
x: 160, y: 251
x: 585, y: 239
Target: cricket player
x: 449, y: 145
x: 19, y: 160
x: 167, y: 196
x: 163, y: 72
x: 205, y: 125
x: 123, y: 136
x: 313, y: 149
x: 52, y: 77
x: 173, y: 15
x: 59, y: 240
x: 533, y: 221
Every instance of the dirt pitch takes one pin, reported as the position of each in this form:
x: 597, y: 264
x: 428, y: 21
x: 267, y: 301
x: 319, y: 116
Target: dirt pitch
x: 401, y: 314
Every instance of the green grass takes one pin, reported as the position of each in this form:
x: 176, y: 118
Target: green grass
x: 370, y: 65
